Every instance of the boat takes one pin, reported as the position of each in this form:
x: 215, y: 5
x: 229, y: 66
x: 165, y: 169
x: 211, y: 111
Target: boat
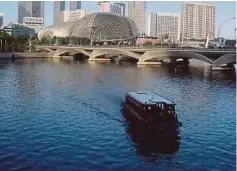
x: 151, y: 110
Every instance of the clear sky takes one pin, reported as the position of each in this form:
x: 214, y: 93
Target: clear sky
x: 224, y: 10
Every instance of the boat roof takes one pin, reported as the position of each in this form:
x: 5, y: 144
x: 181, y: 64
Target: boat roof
x: 149, y: 97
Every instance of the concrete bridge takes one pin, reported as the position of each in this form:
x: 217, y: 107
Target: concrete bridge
x: 145, y: 56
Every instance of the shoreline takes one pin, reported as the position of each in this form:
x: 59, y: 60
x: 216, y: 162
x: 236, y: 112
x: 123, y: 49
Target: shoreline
x: 24, y: 55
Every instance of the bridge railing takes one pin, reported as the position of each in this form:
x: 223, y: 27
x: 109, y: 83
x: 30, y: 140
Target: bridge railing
x: 138, y: 48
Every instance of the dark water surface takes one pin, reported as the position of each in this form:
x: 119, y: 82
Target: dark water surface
x: 61, y: 115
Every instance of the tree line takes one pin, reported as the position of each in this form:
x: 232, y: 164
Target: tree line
x: 16, y: 43
x: 26, y: 44
x: 64, y: 41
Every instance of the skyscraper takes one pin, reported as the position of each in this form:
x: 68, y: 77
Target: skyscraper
x: 75, y: 5
x: 104, y: 7
x: 137, y: 12
x: 198, y: 20
x: 116, y: 8
x: 30, y: 9
x: 75, y: 15
x: 123, y: 7
x: 162, y: 24
x: 1, y: 20
x: 59, y: 7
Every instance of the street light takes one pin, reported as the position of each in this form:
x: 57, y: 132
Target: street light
x: 94, y: 30
x: 30, y: 45
x: 218, y: 33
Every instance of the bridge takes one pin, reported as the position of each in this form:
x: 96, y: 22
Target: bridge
x: 214, y: 57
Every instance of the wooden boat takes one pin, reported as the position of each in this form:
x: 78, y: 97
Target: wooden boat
x: 151, y: 110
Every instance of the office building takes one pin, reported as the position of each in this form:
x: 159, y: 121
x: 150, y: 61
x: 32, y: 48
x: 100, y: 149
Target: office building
x: 1, y: 20
x: 198, y: 20
x: 123, y: 8
x: 75, y: 15
x: 137, y: 12
x: 104, y: 7
x: 35, y: 23
x: 19, y: 30
x: 116, y: 8
x: 59, y: 7
x: 74, y: 5
x: 30, y: 9
x: 164, y: 24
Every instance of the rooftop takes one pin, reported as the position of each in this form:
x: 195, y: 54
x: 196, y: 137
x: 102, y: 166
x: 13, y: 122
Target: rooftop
x: 148, y: 97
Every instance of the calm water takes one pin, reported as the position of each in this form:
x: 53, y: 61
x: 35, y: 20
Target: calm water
x: 62, y: 115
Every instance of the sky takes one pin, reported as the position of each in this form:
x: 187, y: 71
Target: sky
x: 224, y: 10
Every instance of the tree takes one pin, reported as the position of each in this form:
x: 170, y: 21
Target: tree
x: 3, y: 34
x: 147, y: 44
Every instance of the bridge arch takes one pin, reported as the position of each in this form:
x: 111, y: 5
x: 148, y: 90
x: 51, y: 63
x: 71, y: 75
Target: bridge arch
x: 225, y: 59
x: 113, y: 52
x: 46, y: 50
x: 79, y: 51
x: 60, y: 52
x: 173, y: 55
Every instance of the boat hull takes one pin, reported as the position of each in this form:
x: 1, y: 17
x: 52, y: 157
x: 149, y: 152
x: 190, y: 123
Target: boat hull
x: 164, y: 128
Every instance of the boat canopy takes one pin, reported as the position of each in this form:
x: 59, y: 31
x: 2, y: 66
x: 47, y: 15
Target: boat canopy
x: 145, y: 97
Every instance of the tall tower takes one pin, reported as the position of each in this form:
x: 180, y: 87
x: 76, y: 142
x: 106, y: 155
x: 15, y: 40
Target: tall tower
x: 104, y: 6
x: 30, y: 9
x: 198, y: 20
x: 137, y: 12
x: 59, y: 7
x: 162, y: 24
x: 75, y: 5
x: 123, y: 7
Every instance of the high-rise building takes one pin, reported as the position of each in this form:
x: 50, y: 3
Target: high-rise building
x: 19, y: 30
x: 123, y: 8
x: 104, y: 7
x: 59, y: 7
x: 115, y: 8
x: 30, y: 9
x: 75, y: 15
x: 75, y: 5
x: 164, y: 24
x: 198, y: 20
x: 137, y: 12
x: 1, y: 20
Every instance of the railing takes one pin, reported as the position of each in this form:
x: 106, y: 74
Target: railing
x: 135, y: 47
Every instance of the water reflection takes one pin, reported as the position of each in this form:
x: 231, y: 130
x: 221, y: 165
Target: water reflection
x: 151, y: 144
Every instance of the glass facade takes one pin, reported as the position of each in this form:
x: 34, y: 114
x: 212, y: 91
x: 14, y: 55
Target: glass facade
x: 75, y: 5
x: 19, y: 30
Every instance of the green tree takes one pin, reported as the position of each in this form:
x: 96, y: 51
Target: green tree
x: 147, y: 44
x: 166, y: 36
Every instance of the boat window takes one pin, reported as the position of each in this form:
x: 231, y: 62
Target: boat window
x: 149, y: 107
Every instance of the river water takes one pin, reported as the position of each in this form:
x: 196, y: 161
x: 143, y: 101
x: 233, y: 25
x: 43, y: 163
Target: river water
x: 65, y: 115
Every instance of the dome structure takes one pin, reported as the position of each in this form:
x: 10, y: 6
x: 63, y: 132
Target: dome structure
x: 58, y: 30
x: 97, y: 27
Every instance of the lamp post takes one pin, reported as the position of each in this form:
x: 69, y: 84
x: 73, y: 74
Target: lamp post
x: 218, y: 33
x: 235, y: 32
x: 30, y: 41
x: 94, y: 30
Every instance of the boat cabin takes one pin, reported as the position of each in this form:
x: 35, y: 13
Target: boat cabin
x: 151, y: 105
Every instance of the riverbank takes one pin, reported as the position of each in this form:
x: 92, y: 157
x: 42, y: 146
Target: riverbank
x: 23, y: 55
